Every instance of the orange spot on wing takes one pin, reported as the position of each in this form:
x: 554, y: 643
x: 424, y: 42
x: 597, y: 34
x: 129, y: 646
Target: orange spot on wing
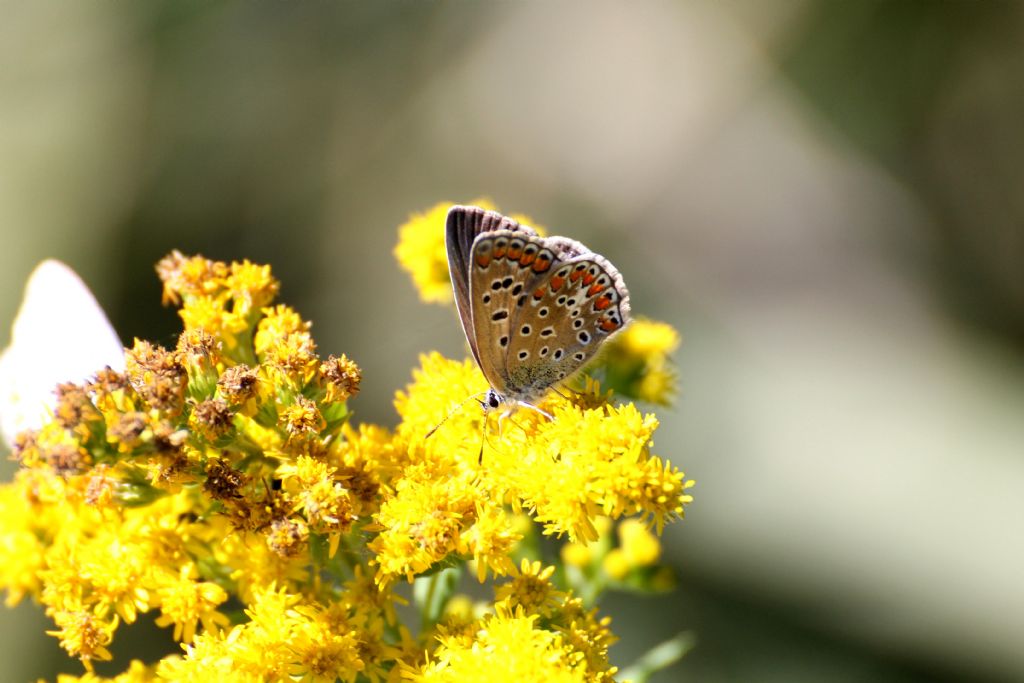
x: 541, y: 264
x: 609, y: 325
x: 603, y: 303
x: 576, y: 275
x: 588, y: 278
x: 594, y: 289
x: 515, y: 253
x: 499, y: 250
x: 556, y: 283
x: 527, y: 259
x: 483, y: 260
x: 539, y: 293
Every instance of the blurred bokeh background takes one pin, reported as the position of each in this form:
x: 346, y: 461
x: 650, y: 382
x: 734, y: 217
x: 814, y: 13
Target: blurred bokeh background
x: 826, y: 198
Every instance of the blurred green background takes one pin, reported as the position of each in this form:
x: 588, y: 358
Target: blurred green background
x: 826, y: 198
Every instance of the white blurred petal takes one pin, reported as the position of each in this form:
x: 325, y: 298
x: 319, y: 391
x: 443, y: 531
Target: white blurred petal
x: 59, y: 335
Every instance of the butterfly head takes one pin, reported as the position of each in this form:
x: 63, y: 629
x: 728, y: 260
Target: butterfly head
x: 492, y: 400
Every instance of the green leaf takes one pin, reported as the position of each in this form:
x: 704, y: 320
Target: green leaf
x: 659, y: 657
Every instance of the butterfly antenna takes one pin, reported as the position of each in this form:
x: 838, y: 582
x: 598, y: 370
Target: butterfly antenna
x: 453, y: 411
x: 573, y: 398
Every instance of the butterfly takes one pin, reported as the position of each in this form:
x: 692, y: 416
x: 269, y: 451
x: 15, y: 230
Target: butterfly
x: 534, y: 309
x: 59, y: 335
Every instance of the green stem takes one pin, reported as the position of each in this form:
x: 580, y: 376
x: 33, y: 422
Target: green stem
x: 428, y: 603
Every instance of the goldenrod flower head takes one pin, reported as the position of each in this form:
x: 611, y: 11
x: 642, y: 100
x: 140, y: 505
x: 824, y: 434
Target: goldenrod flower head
x: 341, y: 377
x: 637, y: 362
x: 84, y: 635
x: 238, y: 384
x: 530, y: 589
x: 185, y: 602
x: 577, y: 554
x: 638, y: 544
x: 509, y: 647
x: 157, y: 375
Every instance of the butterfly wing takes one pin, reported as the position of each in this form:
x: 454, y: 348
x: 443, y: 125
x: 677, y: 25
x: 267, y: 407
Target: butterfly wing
x: 463, y: 225
x: 540, y: 309
x: 60, y: 335
x: 571, y: 312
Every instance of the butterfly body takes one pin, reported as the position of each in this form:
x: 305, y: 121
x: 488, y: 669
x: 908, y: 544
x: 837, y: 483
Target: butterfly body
x: 534, y: 309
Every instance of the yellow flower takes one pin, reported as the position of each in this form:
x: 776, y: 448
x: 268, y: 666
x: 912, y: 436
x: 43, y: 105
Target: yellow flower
x: 530, y: 589
x: 185, y: 602
x: 421, y: 523
x: 421, y: 252
x: 637, y: 364
x: 648, y: 338
x: 84, y: 635
x: 576, y: 554
x: 507, y: 647
x: 341, y: 377
x: 251, y: 287
x: 490, y: 540
x: 21, y: 544
x: 639, y: 545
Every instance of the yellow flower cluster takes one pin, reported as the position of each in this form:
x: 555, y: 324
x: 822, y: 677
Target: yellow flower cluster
x: 533, y: 633
x: 224, y: 471
x: 636, y: 362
